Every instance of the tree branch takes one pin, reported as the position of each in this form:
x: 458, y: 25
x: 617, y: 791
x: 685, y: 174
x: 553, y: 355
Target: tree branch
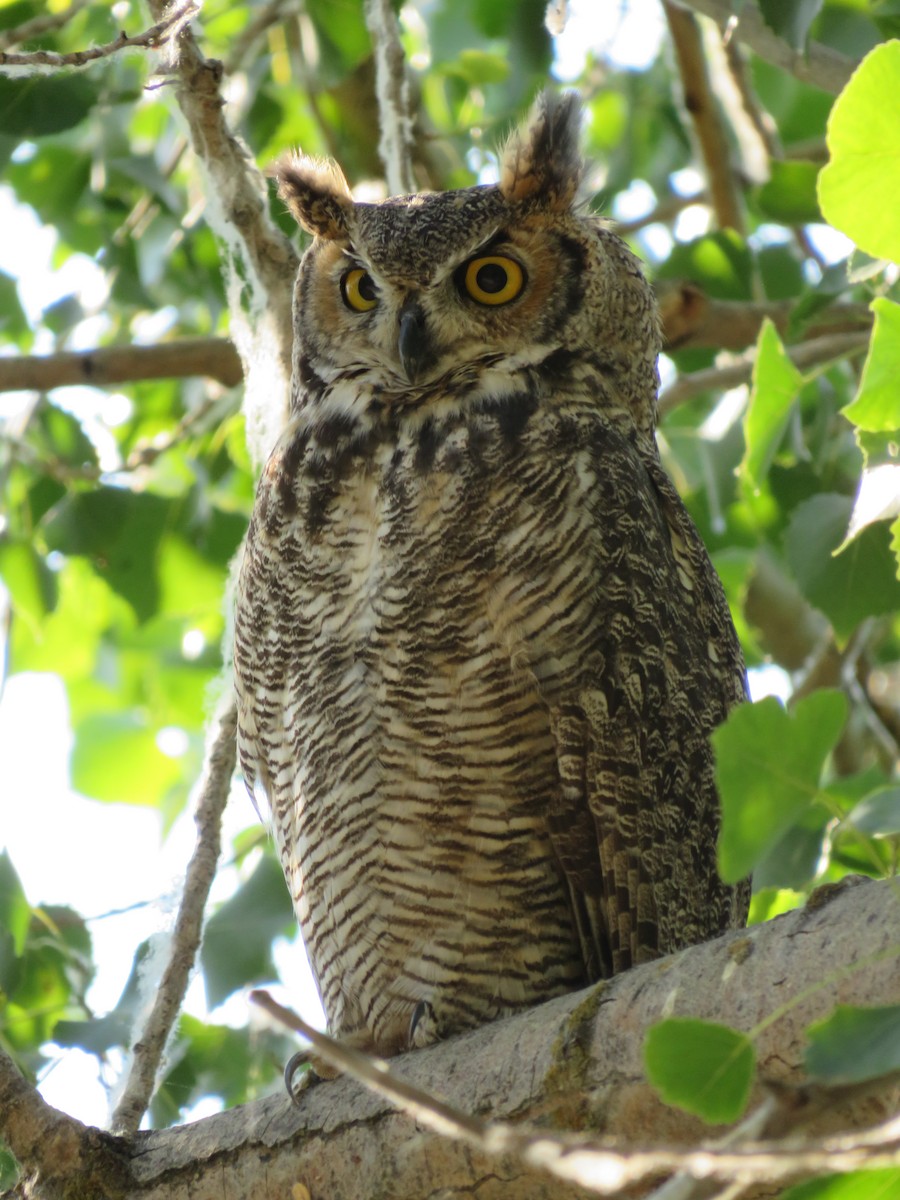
x: 260, y: 292
x: 392, y: 90
x: 168, y: 26
x: 814, y: 353
x: 704, y: 112
x: 50, y: 1144
x: 38, y: 26
x: 215, y: 358
x: 576, y: 1064
x: 148, y: 1050
x: 817, y: 65
x: 691, y: 318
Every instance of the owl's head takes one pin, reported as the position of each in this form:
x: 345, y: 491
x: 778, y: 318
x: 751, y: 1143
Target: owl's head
x: 458, y: 294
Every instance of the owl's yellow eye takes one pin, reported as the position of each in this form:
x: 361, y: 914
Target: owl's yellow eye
x: 358, y: 290
x: 493, y: 279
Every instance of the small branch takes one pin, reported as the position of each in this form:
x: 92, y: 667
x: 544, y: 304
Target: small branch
x: 168, y: 27
x: 38, y: 26
x: 708, y: 125
x: 392, y: 89
x: 814, y: 353
x: 216, y: 358
x: 817, y: 65
x: 148, y: 1050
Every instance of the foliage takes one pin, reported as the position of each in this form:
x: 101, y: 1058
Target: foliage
x: 122, y: 518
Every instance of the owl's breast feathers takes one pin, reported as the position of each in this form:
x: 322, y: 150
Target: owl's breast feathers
x: 478, y: 660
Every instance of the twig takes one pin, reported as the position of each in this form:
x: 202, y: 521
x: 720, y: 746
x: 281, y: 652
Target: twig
x: 816, y: 64
x: 599, y: 1164
x: 38, y: 26
x: 216, y: 358
x: 392, y: 90
x: 814, y: 353
x: 148, y: 1050
x: 169, y: 26
x: 708, y: 125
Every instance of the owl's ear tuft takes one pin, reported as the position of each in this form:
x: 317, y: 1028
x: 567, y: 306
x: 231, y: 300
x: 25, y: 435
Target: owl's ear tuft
x: 541, y: 161
x: 316, y: 192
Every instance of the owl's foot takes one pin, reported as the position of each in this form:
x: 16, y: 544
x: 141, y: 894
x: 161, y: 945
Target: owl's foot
x: 318, y: 1068
x: 423, y: 1029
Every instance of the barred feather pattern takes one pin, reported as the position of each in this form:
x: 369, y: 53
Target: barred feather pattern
x: 479, y: 645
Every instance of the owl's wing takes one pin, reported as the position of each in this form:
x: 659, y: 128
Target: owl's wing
x: 636, y: 818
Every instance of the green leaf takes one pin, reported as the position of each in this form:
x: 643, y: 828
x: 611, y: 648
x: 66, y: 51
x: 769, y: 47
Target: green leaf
x: 13, y: 322
x: 854, y: 1044
x: 719, y: 263
x: 776, y: 383
x: 36, y: 105
x: 116, y: 759
x: 860, y: 582
x: 878, y: 815
x: 768, y: 766
x: 237, y: 940
x: 789, y: 196
x: 876, y: 405
x: 700, y: 1066
x: 790, y: 19
x: 858, y: 188
x: 857, y: 1185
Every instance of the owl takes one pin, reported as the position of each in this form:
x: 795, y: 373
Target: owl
x: 479, y: 645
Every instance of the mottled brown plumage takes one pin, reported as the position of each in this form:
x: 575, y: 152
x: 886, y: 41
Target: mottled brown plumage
x: 479, y: 644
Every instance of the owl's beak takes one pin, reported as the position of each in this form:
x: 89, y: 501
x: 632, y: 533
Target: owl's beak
x: 413, y: 341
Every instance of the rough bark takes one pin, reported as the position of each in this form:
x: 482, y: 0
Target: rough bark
x: 572, y: 1064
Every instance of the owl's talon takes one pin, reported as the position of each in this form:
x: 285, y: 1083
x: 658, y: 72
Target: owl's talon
x: 422, y: 1019
x: 307, y: 1079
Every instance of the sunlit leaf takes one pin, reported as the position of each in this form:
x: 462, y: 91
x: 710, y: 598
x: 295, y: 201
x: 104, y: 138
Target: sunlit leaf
x: 700, y: 1066
x: 878, y: 814
x: 858, y: 188
x: 857, y: 1185
x: 776, y: 383
x: 876, y: 405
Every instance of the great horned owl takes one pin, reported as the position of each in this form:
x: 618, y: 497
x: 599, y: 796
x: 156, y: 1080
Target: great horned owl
x: 480, y: 647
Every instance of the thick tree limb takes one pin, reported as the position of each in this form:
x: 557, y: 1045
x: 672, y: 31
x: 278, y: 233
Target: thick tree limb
x: 818, y: 65
x: 576, y: 1065
x: 185, y: 942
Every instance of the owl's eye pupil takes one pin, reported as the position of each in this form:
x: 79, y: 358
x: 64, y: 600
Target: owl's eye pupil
x: 491, y: 278
x: 366, y: 288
